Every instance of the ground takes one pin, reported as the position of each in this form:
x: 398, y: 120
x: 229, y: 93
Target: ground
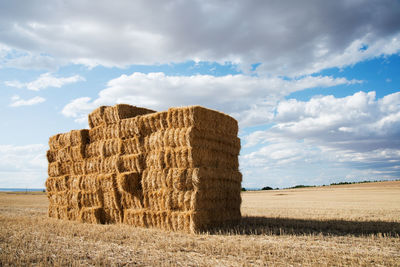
x: 345, y: 225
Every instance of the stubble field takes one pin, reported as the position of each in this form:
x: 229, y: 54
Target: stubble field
x: 347, y: 225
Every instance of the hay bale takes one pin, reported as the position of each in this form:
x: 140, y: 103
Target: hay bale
x: 91, y: 215
x: 95, y: 118
x: 96, y: 134
x: 122, y: 111
x: 79, y: 137
x: 110, y: 147
x: 94, y: 149
x: 110, y: 115
x: 176, y: 170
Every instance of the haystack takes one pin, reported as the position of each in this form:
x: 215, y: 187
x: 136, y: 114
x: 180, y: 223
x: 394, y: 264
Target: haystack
x: 176, y: 170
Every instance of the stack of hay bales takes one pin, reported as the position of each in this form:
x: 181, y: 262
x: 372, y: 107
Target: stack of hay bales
x: 175, y: 170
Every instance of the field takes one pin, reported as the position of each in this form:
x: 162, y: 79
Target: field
x: 345, y: 225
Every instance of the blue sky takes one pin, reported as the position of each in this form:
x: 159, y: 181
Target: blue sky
x: 315, y: 86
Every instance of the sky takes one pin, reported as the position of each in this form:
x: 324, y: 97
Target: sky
x: 314, y: 85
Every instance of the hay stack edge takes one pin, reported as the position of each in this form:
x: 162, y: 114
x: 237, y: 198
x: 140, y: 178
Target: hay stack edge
x: 175, y: 170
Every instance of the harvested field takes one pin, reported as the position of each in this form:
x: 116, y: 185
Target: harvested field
x: 349, y: 225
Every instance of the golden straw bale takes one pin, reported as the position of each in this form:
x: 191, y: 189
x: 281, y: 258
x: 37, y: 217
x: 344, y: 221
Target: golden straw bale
x: 77, y: 153
x: 110, y: 147
x: 155, y: 159
x: 130, y: 146
x: 153, y: 178
x: 131, y: 201
x: 75, y: 201
x: 200, y: 220
x: 157, y: 121
x: 79, y: 137
x: 129, y: 182
x: 175, y: 170
x: 52, y: 197
x: 112, y: 216
x: 186, y: 157
x: 52, y: 211
x: 51, y: 155
x: 53, y: 144
x: 88, y: 182
x: 135, y: 217
x: 131, y: 163
x: 60, y: 198
x: 129, y: 128
x: 76, y: 182
x: 109, y: 164
x: 64, y: 154
x: 111, y: 199
x: 92, y: 165
x: 94, y: 149
x: 91, y: 215
x: 95, y: 118
x: 51, y: 185
x: 112, y: 131
x: 122, y: 111
x: 64, y: 140
x: 61, y: 212
x: 129, y: 186
x: 203, y: 119
x: 90, y: 199
x: 58, y: 169
x: 109, y: 188
x: 72, y: 138
x: 77, y: 168
x: 61, y: 183
x: 192, y: 137
x: 96, y: 133
x: 179, y: 176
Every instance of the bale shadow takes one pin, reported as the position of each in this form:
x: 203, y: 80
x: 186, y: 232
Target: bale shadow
x: 254, y: 225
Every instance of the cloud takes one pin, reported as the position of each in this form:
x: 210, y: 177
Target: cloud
x: 250, y: 99
x: 357, y: 122
x: 16, y: 101
x: 356, y: 134
x: 45, y: 80
x: 287, y: 37
x: 23, y: 166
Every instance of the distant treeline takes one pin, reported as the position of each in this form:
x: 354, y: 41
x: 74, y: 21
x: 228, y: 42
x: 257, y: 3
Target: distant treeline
x: 304, y: 186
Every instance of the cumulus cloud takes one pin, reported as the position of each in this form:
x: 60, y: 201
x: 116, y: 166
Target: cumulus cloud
x: 358, y: 122
x: 45, y: 80
x: 357, y: 132
x: 16, y: 101
x: 287, y: 37
x: 250, y: 99
x: 23, y: 166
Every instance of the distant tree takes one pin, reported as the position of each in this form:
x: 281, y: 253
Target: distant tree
x: 267, y: 188
x: 244, y: 189
x: 300, y: 186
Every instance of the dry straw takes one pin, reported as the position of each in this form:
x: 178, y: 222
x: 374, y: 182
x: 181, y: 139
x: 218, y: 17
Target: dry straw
x: 176, y: 170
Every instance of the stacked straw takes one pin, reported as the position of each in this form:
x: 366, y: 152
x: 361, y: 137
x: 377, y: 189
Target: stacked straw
x: 176, y: 170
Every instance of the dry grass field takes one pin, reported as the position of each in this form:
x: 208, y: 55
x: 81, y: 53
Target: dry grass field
x: 346, y: 225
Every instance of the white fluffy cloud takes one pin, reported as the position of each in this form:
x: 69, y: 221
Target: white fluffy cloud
x: 23, y: 166
x: 287, y: 37
x: 250, y: 99
x: 357, y: 132
x: 358, y: 122
x: 16, y: 101
x: 45, y: 80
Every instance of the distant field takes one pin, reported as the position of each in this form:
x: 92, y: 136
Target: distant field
x: 344, y: 225
x: 360, y: 202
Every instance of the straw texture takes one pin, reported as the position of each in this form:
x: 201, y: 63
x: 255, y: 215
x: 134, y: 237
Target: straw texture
x: 176, y: 170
